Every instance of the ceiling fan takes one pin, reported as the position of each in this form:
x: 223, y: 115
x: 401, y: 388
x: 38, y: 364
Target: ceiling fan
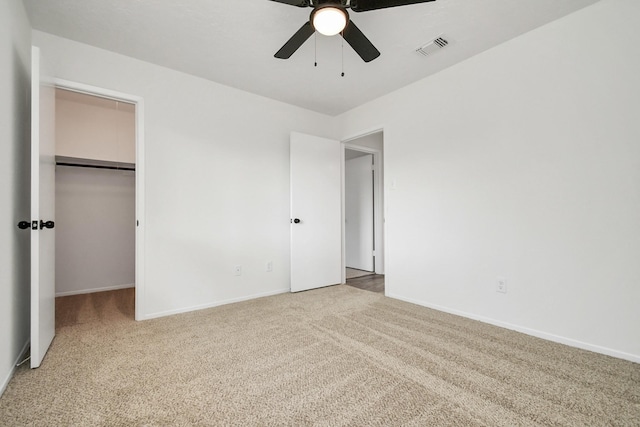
x: 330, y: 17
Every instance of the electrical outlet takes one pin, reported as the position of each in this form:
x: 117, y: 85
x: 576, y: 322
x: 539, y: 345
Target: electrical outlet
x: 269, y: 266
x: 501, y: 285
x: 237, y: 270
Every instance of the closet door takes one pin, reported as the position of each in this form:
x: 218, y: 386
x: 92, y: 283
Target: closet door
x: 42, y: 210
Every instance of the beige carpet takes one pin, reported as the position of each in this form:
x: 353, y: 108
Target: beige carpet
x: 330, y: 357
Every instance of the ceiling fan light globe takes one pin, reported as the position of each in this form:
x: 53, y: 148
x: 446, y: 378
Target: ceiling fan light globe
x: 329, y: 21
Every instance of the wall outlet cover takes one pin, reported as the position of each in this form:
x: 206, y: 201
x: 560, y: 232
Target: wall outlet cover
x: 501, y: 285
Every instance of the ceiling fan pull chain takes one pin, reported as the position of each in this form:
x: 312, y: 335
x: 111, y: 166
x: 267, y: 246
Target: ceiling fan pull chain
x: 315, y: 49
x: 342, y: 53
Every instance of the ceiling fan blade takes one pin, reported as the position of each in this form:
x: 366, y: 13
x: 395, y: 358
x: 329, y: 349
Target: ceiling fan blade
x: 360, y: 43
x: 299, y: 3
x: 365, y: 5
x: 295, y: 41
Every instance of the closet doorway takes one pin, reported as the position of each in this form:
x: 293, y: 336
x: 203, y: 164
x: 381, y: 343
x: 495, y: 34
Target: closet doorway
x: 95, y: 208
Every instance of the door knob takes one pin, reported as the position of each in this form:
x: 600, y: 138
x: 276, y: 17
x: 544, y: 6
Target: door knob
x: 23, y: 225
x: 296, y: 221
x: 47, y: 224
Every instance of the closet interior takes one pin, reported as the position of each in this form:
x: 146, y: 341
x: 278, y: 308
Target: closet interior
x: 95, y: 194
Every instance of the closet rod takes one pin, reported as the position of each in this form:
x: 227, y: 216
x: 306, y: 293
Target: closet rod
x: 117, y: 168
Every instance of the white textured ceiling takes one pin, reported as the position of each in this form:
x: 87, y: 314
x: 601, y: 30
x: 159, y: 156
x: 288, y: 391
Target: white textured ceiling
x: 232, y: 42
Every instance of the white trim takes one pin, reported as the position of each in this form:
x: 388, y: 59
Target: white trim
x: 214, y: 304
x: 376, y: 129
x: 343, y: 268
x: 94, y: 290
x: 528, y: 331
x: 140, y: 176
x: 140, y: 212
x: 7, y: 379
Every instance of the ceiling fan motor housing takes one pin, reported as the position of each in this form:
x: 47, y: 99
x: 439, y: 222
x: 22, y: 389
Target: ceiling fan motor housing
x: 335, y: 3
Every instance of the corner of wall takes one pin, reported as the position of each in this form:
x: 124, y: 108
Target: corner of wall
x: 15, y: 115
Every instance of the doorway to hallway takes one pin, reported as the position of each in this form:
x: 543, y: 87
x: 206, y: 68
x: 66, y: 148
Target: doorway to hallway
x: 363, y: 214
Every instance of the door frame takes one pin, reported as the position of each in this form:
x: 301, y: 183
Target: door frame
x: 379, y: 201
x: 140, y: 175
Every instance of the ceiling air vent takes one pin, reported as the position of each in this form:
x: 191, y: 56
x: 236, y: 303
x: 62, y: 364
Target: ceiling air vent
x: 433, y: 46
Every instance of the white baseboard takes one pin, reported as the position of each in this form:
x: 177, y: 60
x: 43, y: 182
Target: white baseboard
x: 533, y: 332
x: 213, y: 304
x: 90, y: 291
x: 7, y: 378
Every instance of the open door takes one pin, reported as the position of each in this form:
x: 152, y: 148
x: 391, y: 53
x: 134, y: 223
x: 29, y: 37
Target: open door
x: 359, y: 212
x: 42, y: 209
x: 316, y: 246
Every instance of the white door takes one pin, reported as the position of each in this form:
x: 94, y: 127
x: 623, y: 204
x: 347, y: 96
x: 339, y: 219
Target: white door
x: 42, y: 210
x: 359, y: 237
x: 316, y: 247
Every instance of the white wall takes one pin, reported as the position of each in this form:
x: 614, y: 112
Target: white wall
x: 217, y: 178
x: 15, y: 87
x: 90, y: 127
x: 529, y: 168
x: 95, y: 230
x: 358, y: 227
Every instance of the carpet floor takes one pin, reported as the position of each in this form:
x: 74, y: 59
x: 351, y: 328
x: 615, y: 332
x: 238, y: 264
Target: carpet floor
x: 335, y: 356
